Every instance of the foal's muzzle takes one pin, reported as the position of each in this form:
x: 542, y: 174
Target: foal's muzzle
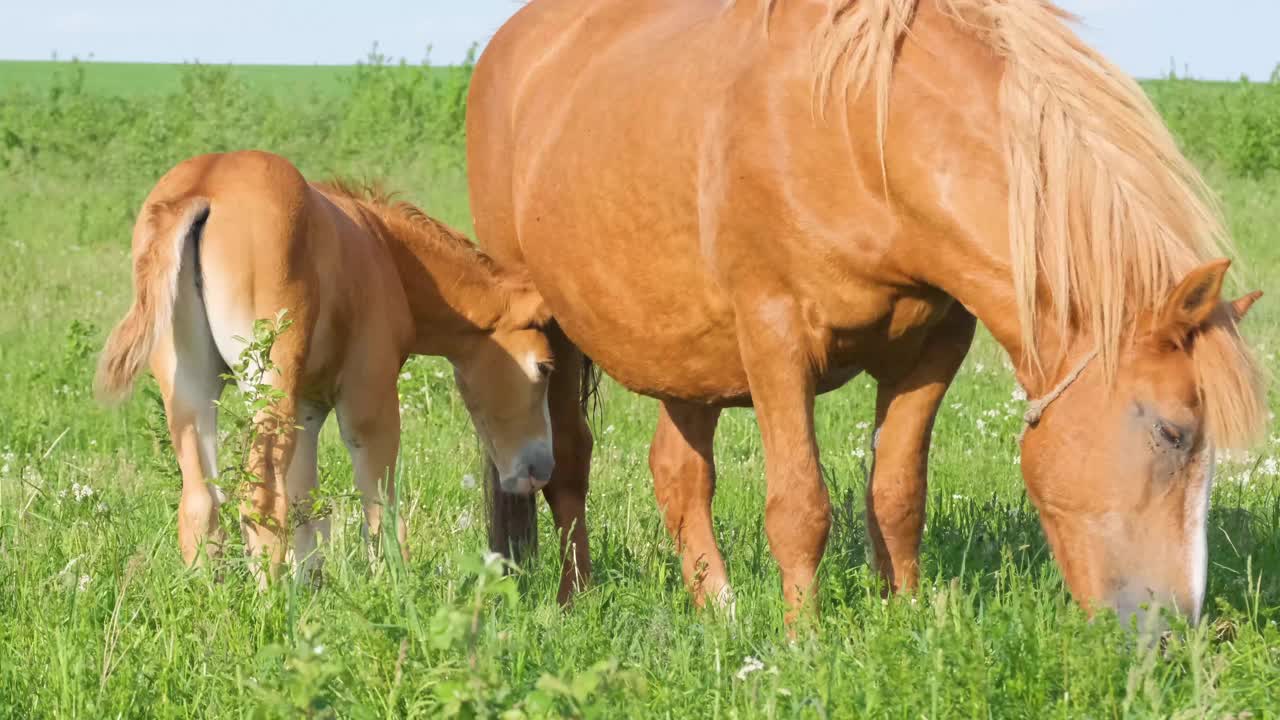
x: 531, y: 471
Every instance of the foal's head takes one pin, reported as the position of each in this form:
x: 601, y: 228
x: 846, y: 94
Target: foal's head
x: 1121, y: 471
x: 502, y: 374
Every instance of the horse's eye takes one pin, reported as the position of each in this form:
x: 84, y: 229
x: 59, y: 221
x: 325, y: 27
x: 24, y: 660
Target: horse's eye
x: 545, y: 368
x: 1169, y: 434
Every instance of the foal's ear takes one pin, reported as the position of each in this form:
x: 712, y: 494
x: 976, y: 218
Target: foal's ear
x: 1191, y: 303
x: 526, y: 308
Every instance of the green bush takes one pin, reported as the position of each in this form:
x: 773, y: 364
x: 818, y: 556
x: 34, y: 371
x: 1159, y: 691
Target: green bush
x: 1235, y: 126
x: 387, y: 112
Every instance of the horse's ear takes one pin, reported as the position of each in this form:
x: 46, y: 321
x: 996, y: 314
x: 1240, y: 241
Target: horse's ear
x: 1191, y: 303
x: 1240, y: 306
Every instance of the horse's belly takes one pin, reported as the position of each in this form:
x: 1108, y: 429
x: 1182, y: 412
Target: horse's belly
x: 651, y: 320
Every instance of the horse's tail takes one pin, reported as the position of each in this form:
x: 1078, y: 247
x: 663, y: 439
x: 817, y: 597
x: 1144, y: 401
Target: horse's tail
x: 513, y: 519
x: 160, y: 239
x: 589, y: 391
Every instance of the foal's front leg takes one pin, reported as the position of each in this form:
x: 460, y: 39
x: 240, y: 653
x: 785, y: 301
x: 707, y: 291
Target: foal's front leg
x: 905, y: 410
x: 781, y: 377
x: 369, y: 418
x: 309, y: 531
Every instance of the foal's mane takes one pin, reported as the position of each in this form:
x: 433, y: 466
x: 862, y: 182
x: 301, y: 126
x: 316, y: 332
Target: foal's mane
x: 381, y: 212
x: 386, y: 216
x: 1124, y: 217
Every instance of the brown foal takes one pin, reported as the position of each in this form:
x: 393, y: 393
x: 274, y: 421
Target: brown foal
x: 225, y: 239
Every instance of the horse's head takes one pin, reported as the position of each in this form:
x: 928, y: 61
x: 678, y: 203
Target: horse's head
x: 1121, y: 472
x: 502, y: 375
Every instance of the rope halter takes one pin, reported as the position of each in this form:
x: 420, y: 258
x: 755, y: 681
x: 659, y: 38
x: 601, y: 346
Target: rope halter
x: 1036, y: 408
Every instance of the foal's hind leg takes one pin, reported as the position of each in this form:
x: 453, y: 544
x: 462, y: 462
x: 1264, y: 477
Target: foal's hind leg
x: 190, y: 384
x: 369, y: 418
x: 265, y: 507
x: 905, y: 410
x: 684, y: 481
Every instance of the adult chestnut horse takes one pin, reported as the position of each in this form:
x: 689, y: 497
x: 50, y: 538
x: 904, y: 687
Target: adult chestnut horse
x: 730, y: 202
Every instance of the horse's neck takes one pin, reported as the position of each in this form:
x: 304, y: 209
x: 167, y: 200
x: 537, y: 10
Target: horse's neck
x: 452, y: 295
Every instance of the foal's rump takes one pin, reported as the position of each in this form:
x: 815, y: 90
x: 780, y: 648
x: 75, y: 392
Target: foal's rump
x: 221, y: 241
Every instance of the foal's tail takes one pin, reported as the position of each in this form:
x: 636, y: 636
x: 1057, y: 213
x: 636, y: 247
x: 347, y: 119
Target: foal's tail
x: 160, y: 238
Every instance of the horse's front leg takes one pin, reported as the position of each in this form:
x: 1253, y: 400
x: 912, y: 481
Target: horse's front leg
x: 905, y: 409
x: 780, y: 372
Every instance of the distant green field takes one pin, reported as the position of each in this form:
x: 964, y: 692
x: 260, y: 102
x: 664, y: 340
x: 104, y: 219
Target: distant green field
x: 131, y: 79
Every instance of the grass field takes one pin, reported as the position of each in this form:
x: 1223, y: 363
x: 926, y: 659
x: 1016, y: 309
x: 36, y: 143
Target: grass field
x: 98, y: 618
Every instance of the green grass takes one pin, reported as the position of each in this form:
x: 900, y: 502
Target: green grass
x: 98, y: 617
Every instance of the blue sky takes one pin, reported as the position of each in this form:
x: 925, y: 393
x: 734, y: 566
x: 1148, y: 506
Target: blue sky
x: 1141, y: 35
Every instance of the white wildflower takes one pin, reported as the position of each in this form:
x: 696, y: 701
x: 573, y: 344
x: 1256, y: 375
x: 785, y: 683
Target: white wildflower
x: 318, y: 650
x: 979, y: 367
x: 957, y: 406
x: 749, y: 665
x: 406, y: 375
x: 608, y: 430
x: 1270, y: 467
x: 468, y: 482
x: 863, y: 425
x: 84, y: 583
x: 1017, y: 459
x: 1019, y: 395
x: 980, y: 424
x: 859, y: 453
x: 81, y: 492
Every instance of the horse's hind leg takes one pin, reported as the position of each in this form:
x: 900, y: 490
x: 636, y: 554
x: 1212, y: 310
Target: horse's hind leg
x: 905, y: 410
x: 684, y: 481
x: 797, y: 513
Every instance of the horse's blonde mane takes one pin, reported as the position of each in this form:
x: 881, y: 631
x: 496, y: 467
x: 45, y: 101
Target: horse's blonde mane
x: 1125, y: 216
